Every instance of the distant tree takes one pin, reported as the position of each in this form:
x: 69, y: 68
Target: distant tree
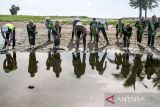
x: 143, y: 5
x: 137, y: 4
x: 150, y: 4
x: 14, y: 9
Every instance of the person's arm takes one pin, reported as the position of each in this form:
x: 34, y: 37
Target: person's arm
x: 3, y: 34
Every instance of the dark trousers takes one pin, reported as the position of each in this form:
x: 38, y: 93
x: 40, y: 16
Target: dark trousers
x: 79, y: 33
x: 139, y: 36
x: 32, y: 39
x: 151, y: 40
x: 13, y: 39
x: 49, y: 34
x: 126, y: 41
x: 57, y: 41
x: 104, y: 34
x: 93, y: 36
x: 118, y: 33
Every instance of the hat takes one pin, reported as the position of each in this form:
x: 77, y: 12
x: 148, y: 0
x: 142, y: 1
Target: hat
x: 4, y: 29
x: 47, y: 18
x: 102, y: 21
x: 77, y: 18
x: 79, y: 23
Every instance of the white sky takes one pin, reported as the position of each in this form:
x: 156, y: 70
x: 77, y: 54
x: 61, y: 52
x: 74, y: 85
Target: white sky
x: 91, y: 8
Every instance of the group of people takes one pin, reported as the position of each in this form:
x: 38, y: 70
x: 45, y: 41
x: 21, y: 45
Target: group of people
x: 54, y: 61
x: 141, y: 25
x: 79, y: 31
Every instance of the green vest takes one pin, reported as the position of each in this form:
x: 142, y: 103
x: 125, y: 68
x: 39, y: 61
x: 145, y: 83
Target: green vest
x: 94, y: 28
x: 10, y: 26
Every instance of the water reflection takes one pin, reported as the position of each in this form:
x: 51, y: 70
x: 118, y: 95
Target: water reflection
x: 137, y: 70
x: 32, y: 67
x: 79, y: 66
x: 130, y: 69
x: 10, y: 63
x: 54, y: 61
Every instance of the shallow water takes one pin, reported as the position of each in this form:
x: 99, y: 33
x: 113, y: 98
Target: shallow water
x: 69, y: 80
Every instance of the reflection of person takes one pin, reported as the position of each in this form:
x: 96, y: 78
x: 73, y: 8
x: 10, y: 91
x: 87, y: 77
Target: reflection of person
x: 138, y: 66
x: 149, y: 66
x: 10, y: 63
x: 92, y: 60
x: 125, y: 65
x: 135, y: 72
x: 118, y: 60
x: 56, y: 63
x: 32, y: 68
x: 99, y: 64
x: 49, y: 61
x: 79, y: 67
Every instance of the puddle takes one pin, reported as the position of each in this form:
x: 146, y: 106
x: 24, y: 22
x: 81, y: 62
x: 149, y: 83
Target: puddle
x: 74, y: 79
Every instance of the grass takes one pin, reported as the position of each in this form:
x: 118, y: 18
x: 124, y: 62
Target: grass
x: 62, y: 19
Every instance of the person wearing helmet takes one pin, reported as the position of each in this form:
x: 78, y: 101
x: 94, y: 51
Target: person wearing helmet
x: 31, y: 29
x: 49, y: 25
x: 80, y: 33
x: 76, y: 19
x: 119, y: 29
x: 8, y: 33
x: 93, y: 29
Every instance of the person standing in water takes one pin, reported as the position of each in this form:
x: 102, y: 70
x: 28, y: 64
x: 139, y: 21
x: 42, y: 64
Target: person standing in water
x: 119, y: 29
x: 127, y: 35
x: 8, y: 33
x: 93, y: 29
x: 57, y: 34
x: 152, y: 27
x: 80, y: 32
x: 49, y: 25
x: 101, y: 27
x: 140, y: 26
x: 75, y: 21
x: 31, y: 29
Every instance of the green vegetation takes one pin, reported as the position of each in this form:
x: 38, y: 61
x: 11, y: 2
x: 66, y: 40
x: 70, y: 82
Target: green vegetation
x: 62, y: 19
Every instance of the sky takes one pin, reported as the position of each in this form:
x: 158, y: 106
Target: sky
x: 91, y: 8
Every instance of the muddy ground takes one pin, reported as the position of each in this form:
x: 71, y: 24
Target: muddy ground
x: 42, y: 46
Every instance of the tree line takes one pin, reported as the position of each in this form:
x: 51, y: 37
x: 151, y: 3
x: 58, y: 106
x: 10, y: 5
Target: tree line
x: 143, y: 5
